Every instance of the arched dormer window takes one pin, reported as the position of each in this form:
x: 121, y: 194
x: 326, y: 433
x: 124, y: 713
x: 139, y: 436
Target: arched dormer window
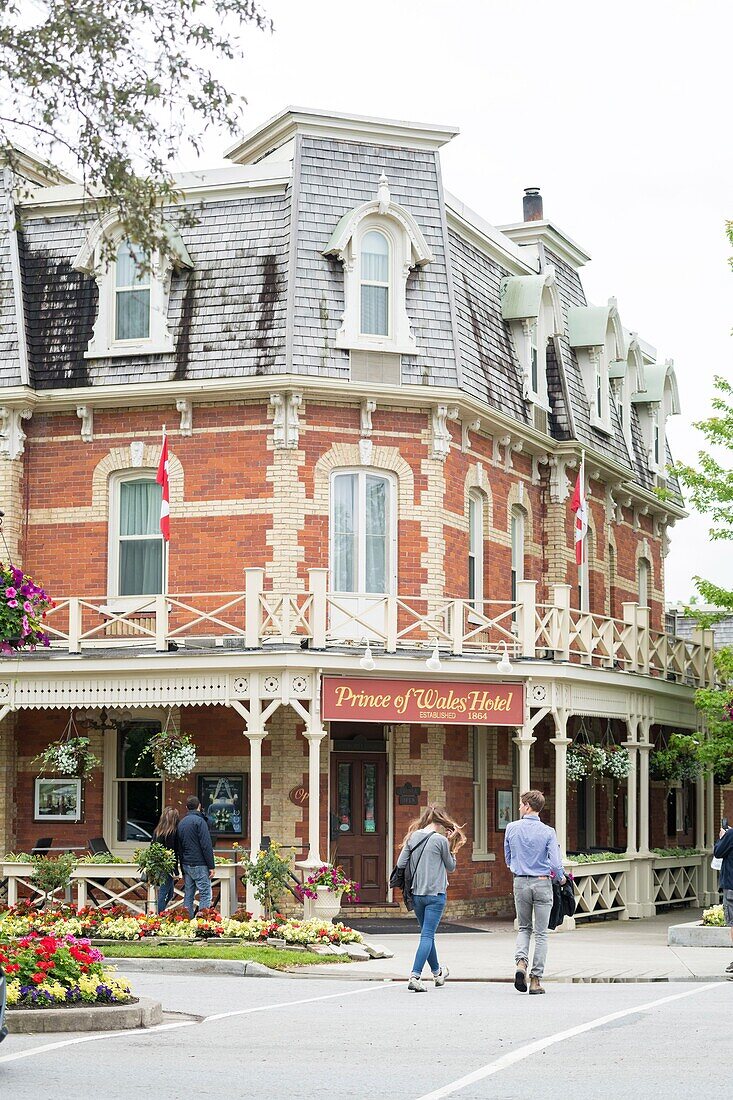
x: 530, y: 304
x: 596, y: 335
x: 378, y: 244
x: 134, y: 288
x: 655, y: 403
x: 374, y: 278
x: 627, y: 378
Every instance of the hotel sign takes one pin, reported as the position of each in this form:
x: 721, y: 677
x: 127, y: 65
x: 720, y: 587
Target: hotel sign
x: 359, y: 699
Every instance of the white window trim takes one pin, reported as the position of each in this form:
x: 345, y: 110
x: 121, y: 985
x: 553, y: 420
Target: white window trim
x: 644, y: 566
x: 477, y: 503
x: 115, y: 602
x: 408, y: 249
x: 121, y: 848
x: 517, y: 565
x: 392, y: 520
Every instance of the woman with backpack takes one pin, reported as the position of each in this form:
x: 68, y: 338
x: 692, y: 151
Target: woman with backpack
x: 428, y: 856
x: 166, y: 833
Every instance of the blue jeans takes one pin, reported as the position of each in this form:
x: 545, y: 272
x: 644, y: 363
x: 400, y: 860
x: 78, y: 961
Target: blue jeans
x: 165, y: 893
x: 428, y: 910
x: 196, y: 878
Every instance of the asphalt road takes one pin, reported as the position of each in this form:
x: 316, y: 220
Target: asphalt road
x: 284, y: 1038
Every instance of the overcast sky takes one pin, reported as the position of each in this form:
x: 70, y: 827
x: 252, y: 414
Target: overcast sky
x: 620, y: 113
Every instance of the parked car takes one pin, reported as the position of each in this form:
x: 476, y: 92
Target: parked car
x: 137, y: 830
x: 3, y: 996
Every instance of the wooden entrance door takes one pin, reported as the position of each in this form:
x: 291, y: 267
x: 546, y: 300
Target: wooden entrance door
x: 359, y: 820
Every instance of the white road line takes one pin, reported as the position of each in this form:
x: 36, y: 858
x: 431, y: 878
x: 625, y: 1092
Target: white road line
x: 143, y: 1033
x: 527, y: 1051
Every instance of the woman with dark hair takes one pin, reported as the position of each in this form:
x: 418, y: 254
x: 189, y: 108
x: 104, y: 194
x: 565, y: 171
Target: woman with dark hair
x: 166, y: 833
x: 431, y: 854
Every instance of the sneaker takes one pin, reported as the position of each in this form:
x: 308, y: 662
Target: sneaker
x: 441, y: 976
x: 520, y: 976
x: 416, y: 985
x: 729, y: 968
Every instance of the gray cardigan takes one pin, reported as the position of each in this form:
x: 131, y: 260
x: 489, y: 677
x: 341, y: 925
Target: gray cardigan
x: 434, y: 861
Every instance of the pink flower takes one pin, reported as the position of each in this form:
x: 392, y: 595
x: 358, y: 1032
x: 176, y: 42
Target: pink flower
x: 11, y: 592
x: 25, y: 627
x: 28, y: 607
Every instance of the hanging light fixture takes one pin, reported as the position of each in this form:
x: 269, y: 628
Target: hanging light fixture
x: 433, y: 662
x: 504, y: 666
x: 367, y: 661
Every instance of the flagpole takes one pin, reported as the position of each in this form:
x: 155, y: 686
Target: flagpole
x: 582, y: 485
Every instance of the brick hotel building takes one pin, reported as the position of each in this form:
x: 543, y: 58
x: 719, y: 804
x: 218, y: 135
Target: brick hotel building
x: 376, y: 402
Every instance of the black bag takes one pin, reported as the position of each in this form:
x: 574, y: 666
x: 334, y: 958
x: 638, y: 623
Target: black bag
x: 401, y: 877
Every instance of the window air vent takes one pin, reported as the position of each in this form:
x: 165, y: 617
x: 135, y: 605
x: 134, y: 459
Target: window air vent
x: 376, y: 366
x: 540, y: 419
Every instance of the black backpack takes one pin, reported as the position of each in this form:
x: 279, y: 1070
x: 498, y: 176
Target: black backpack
x: 401, y: 877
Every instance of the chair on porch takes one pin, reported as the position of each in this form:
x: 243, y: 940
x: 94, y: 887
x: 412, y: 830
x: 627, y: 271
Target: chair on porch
x: 98, y: 846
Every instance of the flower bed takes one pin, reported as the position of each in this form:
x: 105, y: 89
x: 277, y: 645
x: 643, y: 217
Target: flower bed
x: 117, y: 923
x: 47, y: 971
x: 714, y: 916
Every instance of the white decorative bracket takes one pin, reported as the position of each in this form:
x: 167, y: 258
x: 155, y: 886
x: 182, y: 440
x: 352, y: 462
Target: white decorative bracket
x: 367, y: 408
x: 513, y: 446
x: 137, y: 453
x: 86, y: 415
x: 559, y: 486
x: 441, y: 440
x: 537, y: 461
x: 611, y: 506
x: 286, y: 424
x: 499, y: 441
x: 185, y: 408
x: 12, y: 436
x: 383, y: 196
x: 466, y: 427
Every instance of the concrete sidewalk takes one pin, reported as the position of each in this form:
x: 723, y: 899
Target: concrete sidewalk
x: 632, y: 950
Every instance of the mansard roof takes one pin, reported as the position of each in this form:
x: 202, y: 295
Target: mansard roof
x: 260, y: 288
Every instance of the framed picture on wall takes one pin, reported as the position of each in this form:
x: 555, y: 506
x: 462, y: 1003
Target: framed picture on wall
x: 224, y: 803
x: 57, y: 799
x: 504, y: 810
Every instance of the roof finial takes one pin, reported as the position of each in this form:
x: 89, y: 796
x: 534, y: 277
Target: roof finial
x: 383, y: 196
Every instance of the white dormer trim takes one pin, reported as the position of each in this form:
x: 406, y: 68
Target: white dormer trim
x: 408, y: 249
x: 530, y: 304
x: 627, y: 378
x: 93, y: 259
x: 655, y: 403
x: 597, y: 336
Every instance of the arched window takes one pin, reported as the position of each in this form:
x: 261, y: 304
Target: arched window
x: 132, y: 293
x: 375, y: 266
x: 476, y: 549
x: 137, y: 549
x: 644, y: 575
x: 517, y: 537
x: 611, y: 582
x: 584, y: 573
x: 362, y: 533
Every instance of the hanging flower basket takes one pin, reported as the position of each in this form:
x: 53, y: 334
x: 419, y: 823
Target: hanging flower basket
x: 680, y: 760
x: 618, y: 762
x: 590, y: 757
x: 70, y: 756
x: 576, y: 765
x: 173, y: 752
x: 23, y: 607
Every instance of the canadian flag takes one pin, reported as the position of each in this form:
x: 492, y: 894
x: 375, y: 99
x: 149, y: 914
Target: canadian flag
x: 162, y: 479
x: 579, y: 505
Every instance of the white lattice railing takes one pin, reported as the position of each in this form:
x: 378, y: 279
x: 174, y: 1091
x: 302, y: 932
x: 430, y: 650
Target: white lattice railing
x: 676, y: 880
x: 600, y: 888
x: 107, y: 884
x: 256, y: 618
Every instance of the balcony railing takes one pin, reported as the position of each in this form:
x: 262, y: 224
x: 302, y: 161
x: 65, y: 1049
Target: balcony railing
x: 319, y: 619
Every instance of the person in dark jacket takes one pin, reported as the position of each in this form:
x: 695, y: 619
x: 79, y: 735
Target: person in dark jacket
x: 196, y: 853
x: 166, y: 833
x: 724, y: 850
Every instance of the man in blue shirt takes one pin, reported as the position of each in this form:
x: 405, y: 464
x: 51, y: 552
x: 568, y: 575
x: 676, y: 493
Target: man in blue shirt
x: 533, y: 856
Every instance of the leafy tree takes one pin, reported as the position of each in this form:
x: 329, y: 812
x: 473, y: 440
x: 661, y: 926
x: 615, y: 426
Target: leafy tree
x: 710, y: 487
x: 115, y: 86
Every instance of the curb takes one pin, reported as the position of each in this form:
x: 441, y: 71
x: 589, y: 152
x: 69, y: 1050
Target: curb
x: 236, y: 967
x: 28, y: 1021
x: 697, y: 934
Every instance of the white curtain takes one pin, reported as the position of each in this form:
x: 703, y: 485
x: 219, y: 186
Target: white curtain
x: 141, y: 558
x: 132, y: 295
x: 375, y: 299
x: 377, y: 494
x: 344, y: 533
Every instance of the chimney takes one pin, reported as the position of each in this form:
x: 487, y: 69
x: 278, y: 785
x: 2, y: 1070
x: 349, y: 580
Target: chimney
x: 532, y: 204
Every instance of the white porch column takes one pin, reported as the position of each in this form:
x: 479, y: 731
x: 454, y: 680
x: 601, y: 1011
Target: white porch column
x: 711, y: 835
x: 524, y: 742
x: 314, y: 738
x: 561, y: 742
x: 644, y: 750
x: 632, y: 824
x: 255, y: 738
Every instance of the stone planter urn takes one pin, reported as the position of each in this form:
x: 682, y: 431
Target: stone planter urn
x: 328, y: 903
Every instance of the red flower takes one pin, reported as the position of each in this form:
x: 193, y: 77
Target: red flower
x: 12, y: 968
x: 39, y: 977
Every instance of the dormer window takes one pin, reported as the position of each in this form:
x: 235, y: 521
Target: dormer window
x: 134, y: 288
x: 596, y: 335
x: 530, y: 305
x: 379, y: 243
x: 658, y: 400
x: 375, y: 265
x: 132, y: 293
